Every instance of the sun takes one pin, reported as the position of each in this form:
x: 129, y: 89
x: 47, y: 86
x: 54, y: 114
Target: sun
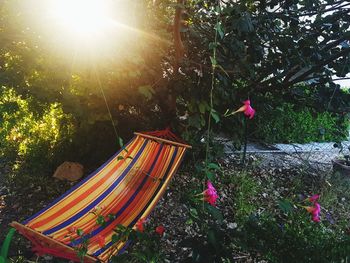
x: 86, y: 30
x: 84, y: 18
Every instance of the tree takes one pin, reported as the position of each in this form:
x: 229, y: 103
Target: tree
x: 265, y: 50
x: 271, y: 46
x: 131, y: 77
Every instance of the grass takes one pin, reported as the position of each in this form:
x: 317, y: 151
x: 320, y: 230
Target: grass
x: 246, y: 189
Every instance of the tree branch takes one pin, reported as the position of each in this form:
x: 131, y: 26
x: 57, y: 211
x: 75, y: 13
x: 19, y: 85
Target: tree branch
x: 316, y: 67
x: 298, y: 14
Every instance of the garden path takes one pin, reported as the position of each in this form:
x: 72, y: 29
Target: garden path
x: 314, y: 152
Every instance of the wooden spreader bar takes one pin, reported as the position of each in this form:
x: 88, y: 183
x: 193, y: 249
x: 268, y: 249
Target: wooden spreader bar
x: 42, y: 243
x: 162, y: 140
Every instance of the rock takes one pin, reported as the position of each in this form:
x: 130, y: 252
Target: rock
x: 69, y: 171
x: 232, y: 225
x: 48, y: 257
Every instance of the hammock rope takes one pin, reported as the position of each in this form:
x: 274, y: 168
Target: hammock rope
x: 108, y: 108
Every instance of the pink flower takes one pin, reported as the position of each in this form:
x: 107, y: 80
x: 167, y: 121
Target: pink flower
x: 246, y: 109
x: 139, y: 225
x: 314, y: 198
x: 210, y: 194
x: 316, y: 219
x: 160, y: 230
x: 310, y: 209
x: 314, y: 211
x: 210, y: 188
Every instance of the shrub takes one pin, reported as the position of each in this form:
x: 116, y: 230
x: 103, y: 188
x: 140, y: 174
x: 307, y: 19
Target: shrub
x: 246, y: 191
x: 296, y: 239
x: 287, y: 124
x: 30, y: 131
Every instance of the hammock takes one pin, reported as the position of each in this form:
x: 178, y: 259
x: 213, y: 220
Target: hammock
x: 127, y: 186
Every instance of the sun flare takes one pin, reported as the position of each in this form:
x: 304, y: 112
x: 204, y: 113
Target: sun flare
x: 82, y: 30
x: 82, y: 17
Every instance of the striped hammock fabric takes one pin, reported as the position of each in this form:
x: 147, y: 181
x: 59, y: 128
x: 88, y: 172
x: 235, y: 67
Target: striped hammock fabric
x: 127, y: 186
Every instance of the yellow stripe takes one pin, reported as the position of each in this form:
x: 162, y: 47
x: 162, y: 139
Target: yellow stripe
x: 125, y: 188
x: 81, y: 223
x: 104, y: 256
x: 121, y: 190
x: 67, y: 200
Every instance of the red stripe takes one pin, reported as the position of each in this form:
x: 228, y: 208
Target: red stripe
x: 117, y: 203
x: 135, y: 202
x: 80, y: 197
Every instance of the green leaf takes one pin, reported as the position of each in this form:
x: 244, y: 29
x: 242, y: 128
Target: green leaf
x: 111, y: 216
x: 216, y: 213
x: 189, y: 221
x: 285, y: 206
x: 201, y: 107
x: 209, y: 175
x: 80, y: 232
x: 146, y: 91
x: 120, y: 158
x: 213, y: 166
x: 213, y: 239
x: 215, y: 115
x: 213, y: 61
x: 220, y: 30
x: 194, y: 213
x: 120, y: 141
x: 195, y: 121
x: 245, y: 24
x: 213, y: 45
x: 115, y: 238
x: 100, y: 220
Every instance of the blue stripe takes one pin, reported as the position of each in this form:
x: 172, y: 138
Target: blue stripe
x: 99, y: 229
x: 77, y: 185
x: 97, y: 253
x: 99, y: 199
x: 157, y: 190
x: 127, y: 243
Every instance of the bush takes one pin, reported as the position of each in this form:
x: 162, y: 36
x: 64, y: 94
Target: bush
x: 296, y: 239
x: 287, y: 124
x: 32, y: 132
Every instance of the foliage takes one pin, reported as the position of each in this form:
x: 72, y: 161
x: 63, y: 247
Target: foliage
x: 335, y: 193
x: 82, y: 248
x: 212, y: 247
x: 246, y: 189
x: 262, y: 48
x: 146, y: 247
x: 270, y: 46
x: 295, y: 239
x: 284, y: 232
x: 31, y: 131
x: 288, y: 123
x: 208, y: 245
x: 126, y: 79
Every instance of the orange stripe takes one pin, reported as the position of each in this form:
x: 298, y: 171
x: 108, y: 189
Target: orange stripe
x: 80, y: 197
x: 119, y: 199
x: 125, y: 199
x: 106, y: 254
x: 135, y: 207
